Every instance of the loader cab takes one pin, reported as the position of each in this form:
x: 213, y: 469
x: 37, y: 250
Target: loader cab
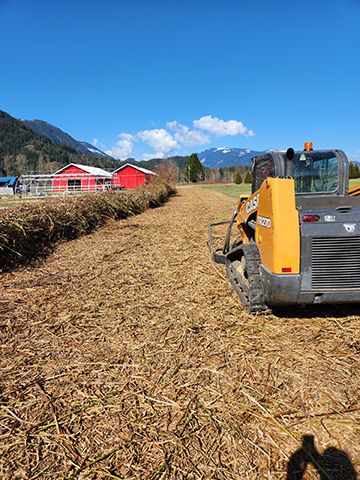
x: 315, y: 172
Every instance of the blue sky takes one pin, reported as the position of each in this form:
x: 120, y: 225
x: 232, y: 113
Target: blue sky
x: 159, y: 78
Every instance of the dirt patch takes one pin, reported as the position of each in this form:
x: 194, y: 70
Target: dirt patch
x: 126, y: 354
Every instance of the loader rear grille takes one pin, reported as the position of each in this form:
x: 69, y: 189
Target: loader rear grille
x: 335, y: 263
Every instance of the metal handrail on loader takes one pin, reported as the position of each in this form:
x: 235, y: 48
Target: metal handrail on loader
x: 216, y: 257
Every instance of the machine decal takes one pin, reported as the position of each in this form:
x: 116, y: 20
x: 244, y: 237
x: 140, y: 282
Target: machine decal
x: 264, y: 221
x: 350, y: 227
x: 252, y: 204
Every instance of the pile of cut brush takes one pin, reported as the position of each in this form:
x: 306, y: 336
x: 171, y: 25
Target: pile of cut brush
x: 33, y: 228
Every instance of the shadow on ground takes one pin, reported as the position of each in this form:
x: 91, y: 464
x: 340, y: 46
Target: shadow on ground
x: 320, y: 311
x: 333, y: 464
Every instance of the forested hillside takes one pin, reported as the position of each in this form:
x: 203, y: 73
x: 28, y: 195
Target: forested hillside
x: 58, y: 137
x: 23, y: 150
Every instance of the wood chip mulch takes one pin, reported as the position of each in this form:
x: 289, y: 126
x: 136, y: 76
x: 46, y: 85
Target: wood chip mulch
x: 126, y: 354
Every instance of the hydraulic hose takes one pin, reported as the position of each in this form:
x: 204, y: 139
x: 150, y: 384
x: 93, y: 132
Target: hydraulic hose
x: 228, y: 234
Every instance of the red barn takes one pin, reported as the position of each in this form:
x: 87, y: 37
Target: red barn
x: 129, y: 176
x: 81, y: 178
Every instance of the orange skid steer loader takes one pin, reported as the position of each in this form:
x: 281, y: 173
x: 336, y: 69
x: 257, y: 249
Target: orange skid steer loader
x: 298, y: 233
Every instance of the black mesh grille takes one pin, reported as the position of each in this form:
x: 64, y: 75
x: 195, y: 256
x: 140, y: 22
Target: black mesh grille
x: 335, y: 263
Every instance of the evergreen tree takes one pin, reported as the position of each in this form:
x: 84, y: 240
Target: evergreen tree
x: 194, y: 171
x: 238, y: 177
x: 351, y: 170
x: 248, y: 177
x: 356, y: 171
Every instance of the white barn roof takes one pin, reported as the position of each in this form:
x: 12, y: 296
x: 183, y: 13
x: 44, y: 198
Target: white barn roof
x: 143, y: 170
x: 95, y: 171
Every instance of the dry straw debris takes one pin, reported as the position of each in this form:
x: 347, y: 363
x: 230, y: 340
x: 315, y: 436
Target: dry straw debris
x: 33, y: 228
x: 125, y: 354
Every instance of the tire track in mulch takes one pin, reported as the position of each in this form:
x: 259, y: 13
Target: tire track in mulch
x: 126, y: 354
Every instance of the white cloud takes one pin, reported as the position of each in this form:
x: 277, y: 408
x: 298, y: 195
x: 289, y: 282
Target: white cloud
x: 161, y: 140
x: 97, y: 144
x: 124, y: 147
x: 220, y: 128
x: 126, y: 136
x: 177, y: 136
x: 149, y: 156
x: 187, y: 137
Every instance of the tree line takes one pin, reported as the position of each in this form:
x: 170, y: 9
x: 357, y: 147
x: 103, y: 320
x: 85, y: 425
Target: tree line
x: 196, y: 172
x: 354, y: 170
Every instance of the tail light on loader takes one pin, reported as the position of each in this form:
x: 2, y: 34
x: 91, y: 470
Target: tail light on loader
x: 310, y: 218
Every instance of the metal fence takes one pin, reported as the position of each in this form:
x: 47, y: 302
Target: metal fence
x: 34, y: 185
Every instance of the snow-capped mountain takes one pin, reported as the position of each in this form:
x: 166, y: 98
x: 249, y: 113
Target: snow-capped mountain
x: 227, y: 157
x: 94, y: 151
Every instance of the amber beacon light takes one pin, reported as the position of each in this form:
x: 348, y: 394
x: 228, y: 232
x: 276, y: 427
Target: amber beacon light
x: 308, y: 146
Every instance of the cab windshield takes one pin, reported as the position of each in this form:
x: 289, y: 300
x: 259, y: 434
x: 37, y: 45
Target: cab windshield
x: 315, y: 172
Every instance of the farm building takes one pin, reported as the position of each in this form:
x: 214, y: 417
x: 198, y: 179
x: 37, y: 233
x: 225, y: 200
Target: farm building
x: 81, y: 178
x: 8, y: 185
x: 129, y: 176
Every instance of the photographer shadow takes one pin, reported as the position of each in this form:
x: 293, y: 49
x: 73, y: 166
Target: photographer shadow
x: 333, y: 464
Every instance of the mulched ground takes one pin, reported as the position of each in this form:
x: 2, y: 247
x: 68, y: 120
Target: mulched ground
x: 126, y: 354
